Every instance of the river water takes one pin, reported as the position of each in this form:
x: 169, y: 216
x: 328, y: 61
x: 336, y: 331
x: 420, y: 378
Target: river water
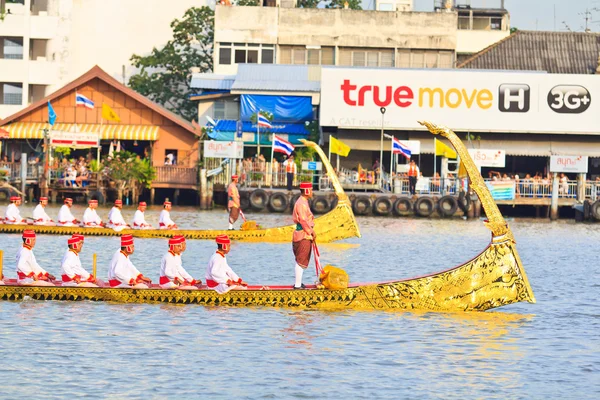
x: 546, y: 350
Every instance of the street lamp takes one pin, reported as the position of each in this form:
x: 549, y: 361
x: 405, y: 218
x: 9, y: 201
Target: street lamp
x: 382, y: 110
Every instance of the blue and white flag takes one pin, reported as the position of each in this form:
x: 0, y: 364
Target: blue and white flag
x: 282, y: 146
x: 82, y: 101
x: 401, y: 148
x: 51, y: 114
x: 263, y: 121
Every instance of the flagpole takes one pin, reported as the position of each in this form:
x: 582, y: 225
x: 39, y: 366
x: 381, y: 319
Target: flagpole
x: 391, y: 159
x: 272, y: 154
x: 434, y: 157
x: 257, y: 136
x: 329, y: 157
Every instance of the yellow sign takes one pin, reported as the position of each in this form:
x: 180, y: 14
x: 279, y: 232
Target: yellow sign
x: 338, y: 147
x: 109, y: 114
x: 442, y: 150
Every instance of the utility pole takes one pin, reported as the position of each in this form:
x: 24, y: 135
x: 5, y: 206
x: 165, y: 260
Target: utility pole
x: 382, y: 110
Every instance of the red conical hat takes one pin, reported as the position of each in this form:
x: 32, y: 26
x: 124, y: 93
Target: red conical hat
x: 28, y: 234
x: 126, y: 240
x: 306, y: 185
x: 223, y: 239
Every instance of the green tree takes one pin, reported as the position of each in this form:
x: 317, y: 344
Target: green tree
x: 129, y: 173
x: 164, y: 75
x: 352, y: 4
x: 250, y: 3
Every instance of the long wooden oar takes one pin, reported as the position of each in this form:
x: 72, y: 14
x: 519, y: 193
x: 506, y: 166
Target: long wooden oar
x: 318, y: 267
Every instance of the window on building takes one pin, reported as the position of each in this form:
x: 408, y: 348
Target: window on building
x: 425, y: 58
x: 171, y: 157
x: 496, y: 24
x: 11, y: 93
x: 366, y: 57
x: 302, y: 56
x: 251, y: 53
x: 12, y: 48
x: 226, y: 109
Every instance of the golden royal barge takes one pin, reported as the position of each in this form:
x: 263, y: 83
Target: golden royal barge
x: 494, y: 278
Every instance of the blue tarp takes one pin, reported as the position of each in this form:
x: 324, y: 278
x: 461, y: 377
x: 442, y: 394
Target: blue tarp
x: 225, y: 131
x: 290, y: 109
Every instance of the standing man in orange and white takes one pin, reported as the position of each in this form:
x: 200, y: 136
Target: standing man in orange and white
x: 72, y: 271
x: 90, y: 216
x: 29, y: 271
x: 139, y: 219
x: 233, y: 202
x: 219, y: 275
x: 304, y: 235
x: 290, y: 171
x: 12, y: 215
x: 115, y: 218
x: 39, y: 214
x: 172, y: 273
x: 121, y: 272
x: 65, y: 217
x: 413, y: 173
x: 164, y: 219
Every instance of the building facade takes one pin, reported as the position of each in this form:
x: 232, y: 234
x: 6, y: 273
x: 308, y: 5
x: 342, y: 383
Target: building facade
x: 44, y: 44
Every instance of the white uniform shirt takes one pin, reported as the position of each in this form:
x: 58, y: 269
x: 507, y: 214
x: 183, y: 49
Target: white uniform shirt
x: 39, y: 215
x: 115, y: 217
x: 170, y: 266
x: 164, y: 220
x: 12, y: 215
x: 27, y: 265
x: 139, y: 220
x: 71, y: 266
x: 219, y: 271
x: 91, y: 218
x: 65, y: 217
x: 122, y: 269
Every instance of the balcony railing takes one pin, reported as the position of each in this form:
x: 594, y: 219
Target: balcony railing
x: 176, y: 175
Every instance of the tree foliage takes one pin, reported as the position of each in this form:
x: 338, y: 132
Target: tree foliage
x: 251, y: 3
x: 164, y: 75
x: 352, y: 4
x: 129, y: 172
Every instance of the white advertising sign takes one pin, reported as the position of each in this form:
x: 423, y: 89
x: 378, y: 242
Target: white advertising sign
x: 464, y: 100
x: 578, y: 164
x: 215, y: 149
x: 74, y: 139
x: 312, y: 165
x: 488, y: 158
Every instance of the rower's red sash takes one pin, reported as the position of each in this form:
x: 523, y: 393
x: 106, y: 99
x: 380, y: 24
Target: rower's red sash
x: 23, y: 276
x: 211, y: 284
x: 161, y: 224
x: 164, y: 280
x: 114, y: 282
x: 66, y: 278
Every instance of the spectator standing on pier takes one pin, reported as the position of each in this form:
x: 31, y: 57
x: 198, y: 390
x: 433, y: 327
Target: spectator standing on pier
x: 413, y: 173
x: 233, y: 201
x: 290, y: 171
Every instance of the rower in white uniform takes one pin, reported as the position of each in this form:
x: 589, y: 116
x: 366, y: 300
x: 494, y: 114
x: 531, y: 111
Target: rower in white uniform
x: 122, y: 273
x: 65, y: 217
x: 219, y: 275
x: 172, y: 273
x: 12, y: 215
x: 139, y: 219
x: 164, y: 220
x: 72, y: 271
x: 29, y: 271
x: 91, y: 219
x: 39, y: 213
x: 115, y: 218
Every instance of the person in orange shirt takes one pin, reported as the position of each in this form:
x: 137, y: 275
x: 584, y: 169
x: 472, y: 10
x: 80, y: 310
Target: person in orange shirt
x: 290, y: 171
x: 304, y: 235
x: 413, y: 173
x: 233, y: 201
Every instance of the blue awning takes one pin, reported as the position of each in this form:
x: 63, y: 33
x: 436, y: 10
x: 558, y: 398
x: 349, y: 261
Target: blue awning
x: 225, y: 131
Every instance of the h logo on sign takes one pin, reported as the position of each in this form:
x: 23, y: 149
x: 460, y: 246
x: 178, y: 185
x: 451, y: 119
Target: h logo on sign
x: 514, y: 97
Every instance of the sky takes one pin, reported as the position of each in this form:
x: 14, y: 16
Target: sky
x: 534, y: 14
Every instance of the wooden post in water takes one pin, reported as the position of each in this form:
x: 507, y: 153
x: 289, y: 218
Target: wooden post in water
x: 203, y: 190
x: 1, y: 261
x: 554, y: 201
x: 94, y: 265
x: 176, y: 197
x: 152, y: 193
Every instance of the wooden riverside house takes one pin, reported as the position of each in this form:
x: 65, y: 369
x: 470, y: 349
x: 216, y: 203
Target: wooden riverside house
x: 145, y: 128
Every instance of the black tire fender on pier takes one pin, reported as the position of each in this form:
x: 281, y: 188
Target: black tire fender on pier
x: 447, y: 206
x: 361, y: 205
x: 403, y: 207
x: 244, y: 201
x: 595, y: 210
x: 278, y: 202
x: 383, y: 206
x: 464, y: 201
x: 294, y: 200
x: 424, y: 206
x: 320, y: 205
x: 334, y: 202
x: 587, y: 210
x: 259, y: 199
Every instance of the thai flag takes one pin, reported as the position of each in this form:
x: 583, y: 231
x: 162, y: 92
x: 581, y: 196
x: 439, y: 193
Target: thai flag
x: 263, y: 121
x: 401, y: 148
x: 81, y: 100
x: 282, y: 146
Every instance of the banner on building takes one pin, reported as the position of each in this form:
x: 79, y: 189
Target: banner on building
x: 463, y: 100
x: 502, y: 190
x: 290, y: 109
x: 572, y: 164
x: 312, y: 165
x: 488, y: 158
x: 74, y: 139
x: 215, y: 149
